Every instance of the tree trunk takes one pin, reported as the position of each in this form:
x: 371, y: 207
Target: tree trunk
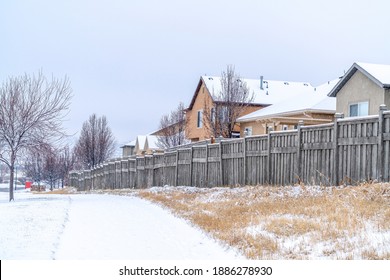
x: 11, y: 182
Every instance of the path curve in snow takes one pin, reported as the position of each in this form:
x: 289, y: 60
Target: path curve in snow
x: 108, y: 227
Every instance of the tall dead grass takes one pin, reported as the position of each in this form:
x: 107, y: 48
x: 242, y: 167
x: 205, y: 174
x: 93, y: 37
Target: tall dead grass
x: 296, y: 222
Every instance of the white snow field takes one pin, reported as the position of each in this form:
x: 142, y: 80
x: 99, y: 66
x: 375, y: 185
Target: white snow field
x: 98, y: 227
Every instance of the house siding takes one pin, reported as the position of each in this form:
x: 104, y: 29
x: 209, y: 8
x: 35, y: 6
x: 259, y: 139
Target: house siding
x: 360, y: 88
x: 259, y: 127
x: 193, y: 132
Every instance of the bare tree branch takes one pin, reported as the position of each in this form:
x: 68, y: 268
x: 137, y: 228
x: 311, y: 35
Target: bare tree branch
x: 32, y: 110
x: 172, y: 129
x: 229, y: 104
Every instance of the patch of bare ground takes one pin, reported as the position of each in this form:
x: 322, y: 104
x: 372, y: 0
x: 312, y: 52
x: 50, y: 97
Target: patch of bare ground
x: 297, y: 222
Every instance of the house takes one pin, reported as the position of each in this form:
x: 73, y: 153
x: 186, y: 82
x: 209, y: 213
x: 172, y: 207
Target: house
x: 128, y: 149
x: 363, y: 89
x: 265, y: 92
x: 311, y: 107
x: 143, y: 144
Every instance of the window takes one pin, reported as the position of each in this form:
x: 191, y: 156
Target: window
x: 358, y: 109
x: 199, y: 123
x: 248, y: 131
x: 285, y: 127
x: 212, y: 115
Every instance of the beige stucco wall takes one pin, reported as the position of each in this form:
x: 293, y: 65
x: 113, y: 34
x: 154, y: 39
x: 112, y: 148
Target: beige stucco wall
x: 360, y: 88
x: 193, y: 132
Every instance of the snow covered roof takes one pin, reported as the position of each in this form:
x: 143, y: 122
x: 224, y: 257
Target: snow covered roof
x: 378, y: 73
x: 265, y: 91
x: 130, y: 144
x: 151, y: 142
x: 316, y: 100
x: 140, y: 142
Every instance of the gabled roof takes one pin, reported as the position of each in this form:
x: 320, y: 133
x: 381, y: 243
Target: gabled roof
x: 266, y: 92
x: 378, y: 73
x: 140, y: 142
x: 151, y: 142
x: 314, y: 101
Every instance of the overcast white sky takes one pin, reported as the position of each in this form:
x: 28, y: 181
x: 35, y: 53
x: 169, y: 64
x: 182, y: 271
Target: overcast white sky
x: 136, y: 60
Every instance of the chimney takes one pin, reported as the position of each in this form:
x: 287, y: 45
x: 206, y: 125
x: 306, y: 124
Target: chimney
x: 261, y: 82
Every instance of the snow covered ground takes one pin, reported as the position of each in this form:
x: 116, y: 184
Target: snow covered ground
x: 98, y: 227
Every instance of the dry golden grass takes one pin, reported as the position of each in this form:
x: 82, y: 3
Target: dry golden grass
x: 66, y: 190
x: 288, y: 223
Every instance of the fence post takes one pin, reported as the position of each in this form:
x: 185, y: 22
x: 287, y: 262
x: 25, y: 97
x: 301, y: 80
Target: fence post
x: 338, y: 116
x: 298, y: 171
x: 207, y: 166
x: 382, y: 108
x: 269, y: 167
x: 244, y: 154
x: 191, y: 159
x: 220, y: 162
x: 177, y: 167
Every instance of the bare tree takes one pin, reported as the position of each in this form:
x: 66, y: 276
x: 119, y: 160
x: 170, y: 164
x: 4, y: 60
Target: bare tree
x: 34, y: 165
x: 229, y: 104
x: 51, y: 167
x: 32, y: 109
x: 96, y: 142
x: 66, y: 163
x: 172, y: 129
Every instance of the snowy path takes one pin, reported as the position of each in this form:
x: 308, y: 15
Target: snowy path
x: 99, y: 227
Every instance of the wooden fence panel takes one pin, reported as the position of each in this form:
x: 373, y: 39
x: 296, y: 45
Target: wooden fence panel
x: 184, y: 167
x: 170, y: 169
x: 149, y: 170
x: 213, y: 165
x: 132, y: 173
x: 358, y: 150
x: 112, y: 174
x: 141, y: 174
x: 283, y: 158
x: 158, y: 170
x: 386, y: 146
x: 199, y: 163
x: 316, y: 155
x: 233, y: 162
x: 256, y: 159
x: 118, y: 175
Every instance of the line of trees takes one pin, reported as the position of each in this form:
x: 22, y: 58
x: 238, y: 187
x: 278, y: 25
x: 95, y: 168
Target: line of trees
x: 32, y: 111
x: 51, y: 165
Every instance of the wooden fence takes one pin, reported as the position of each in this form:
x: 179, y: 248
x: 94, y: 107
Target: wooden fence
x: 347, y: 151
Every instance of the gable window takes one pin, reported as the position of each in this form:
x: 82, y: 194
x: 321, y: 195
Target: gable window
x: 358, y: 109
x: 199, y: 122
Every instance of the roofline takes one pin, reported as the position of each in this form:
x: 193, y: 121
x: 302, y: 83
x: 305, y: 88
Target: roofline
x: 285, y: 114
x: 355, y: 67
x: 196, y: 93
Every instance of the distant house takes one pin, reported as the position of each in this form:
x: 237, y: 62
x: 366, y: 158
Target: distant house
x: 363, y: 89
x: 311, y: 107
x: 128, y: 149
x: 143, y: 144
x: 266, y: 92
